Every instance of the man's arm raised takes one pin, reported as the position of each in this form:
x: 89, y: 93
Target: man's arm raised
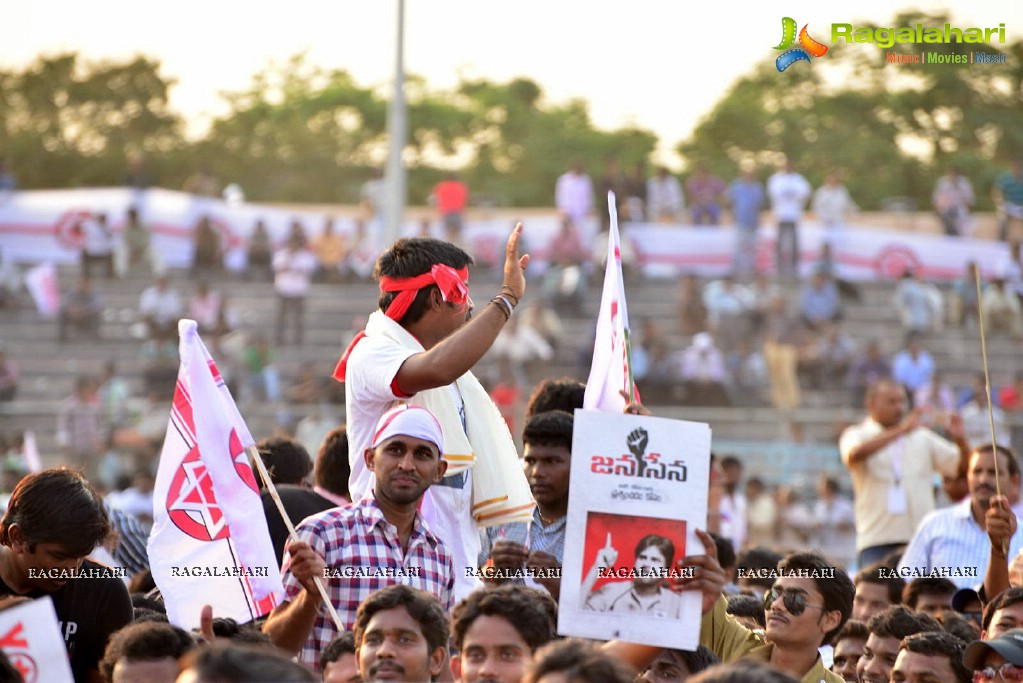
x: 861, y: 452
x: 453, y: 356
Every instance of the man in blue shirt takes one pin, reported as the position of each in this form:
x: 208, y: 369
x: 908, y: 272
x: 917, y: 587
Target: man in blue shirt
x: 747, y: 197
x: 1008, y: 196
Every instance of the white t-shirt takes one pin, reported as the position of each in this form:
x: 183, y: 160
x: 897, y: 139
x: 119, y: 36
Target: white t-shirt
x: 788, y: 193
x: 293, y: 271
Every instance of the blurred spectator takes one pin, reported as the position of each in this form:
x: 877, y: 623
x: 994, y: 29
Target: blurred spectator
x: 819, y: 303
x: 363, y: 254
x: 136, y: 499
x: 1011, y: 395
x: 209, y: 309
x: 8, y: 377
x: 703, y: 373
x: 761, y: 514
x: 138, y: 174
x: 728, y: 305
x: 635, y: 191
x: 136, y: 240
x: 451, y: 196
x: 114, y: 395
x: 10, y: 282
x: 262, y: 382
x: 202, y: 183
x: 565, y: 282
x: 80, y: 430
x: 98, y: 242
x: 161, y: 308
x: 919, y: 303
x: 976, y: 422
x: 690, y: 309
x: 665, y: 200
x: 788, y: 192
x: 953, y: 198
x: 936, y: 401
x: 1003, y: 313
x: 912, y: 367
x: 8, y: 181
x: 733, y: 504
x: 523, y: 346
x: 781, y: 343
x: 80, y: 309
x: 835, y: 530
x: 826, y: 264
x: 705, y: 192
x: 827, y: 358
x: 208, y: 254
x: 1008, y: 198
x: 508, y: 395
x: 296, y: 233
x: 260, y: 251
x: 308, y: 388
x: 539, y: 316
x: 373, y: 199
x: 762, y: 293
x: 1012, y: 269
x: 963, y: 305
x: 293, y: 266
x: 747, y: 197
x: 748, y: 372
x: 832, y: 203
x: 573, y: 195
x: 796, y: 522
x: 331, y: 252
x: 867, y: 369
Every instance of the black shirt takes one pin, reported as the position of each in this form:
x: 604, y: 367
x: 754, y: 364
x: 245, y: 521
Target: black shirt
x: 299, y: 502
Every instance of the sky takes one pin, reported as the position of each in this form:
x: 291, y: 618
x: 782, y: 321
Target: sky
x: 656, y: 64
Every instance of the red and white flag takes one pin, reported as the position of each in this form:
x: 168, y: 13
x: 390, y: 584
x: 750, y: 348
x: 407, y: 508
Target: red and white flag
x: 611, y: 372
x: 41, y: 283
x: 30, y: 637
x: 209, y: 544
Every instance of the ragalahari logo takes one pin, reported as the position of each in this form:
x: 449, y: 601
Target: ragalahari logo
x: 809, y: 46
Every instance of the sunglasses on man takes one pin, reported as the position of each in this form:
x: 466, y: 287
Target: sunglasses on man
x: 794, y: 601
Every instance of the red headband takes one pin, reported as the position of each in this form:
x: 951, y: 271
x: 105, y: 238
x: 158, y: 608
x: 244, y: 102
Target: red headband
x: 451, y: 283
x: 453, y: 289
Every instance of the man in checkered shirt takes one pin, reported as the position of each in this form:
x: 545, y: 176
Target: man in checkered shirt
x: 375, y: 543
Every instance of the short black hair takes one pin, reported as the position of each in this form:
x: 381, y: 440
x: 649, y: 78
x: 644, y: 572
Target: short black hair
x: 877, y: 573
x: 958, y: 625
x: 236, y: 663
x: 423, y: 607
x: 551, y: 428
x: 1010, y: 596
x: 854, y: 629
x: 563, y: 393
x: 897, y: 621
x: 344, y: 644
x: 332, y: 469
x: 147, y: 640
x: 926, y: 585
x: 742, y: 605
x: 698, y: 660
x: 1012, y: 465
x: 757, y: 559
x: 286, y: 460
x: 940, y: 644
x: 832, y: 583
x: 57, y: 505
x: 531, y: 612
x: 662, y: 543
x: 742, y: 671
x: 579, y: 661
x: 412, y: 256
x: 230, y: 629
x: 726, y: 551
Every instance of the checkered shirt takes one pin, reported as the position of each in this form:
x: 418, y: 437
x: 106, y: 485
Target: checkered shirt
x: 359, y: 537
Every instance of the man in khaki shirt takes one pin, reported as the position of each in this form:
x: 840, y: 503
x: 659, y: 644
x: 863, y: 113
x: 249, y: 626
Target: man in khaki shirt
x: 892, y: 461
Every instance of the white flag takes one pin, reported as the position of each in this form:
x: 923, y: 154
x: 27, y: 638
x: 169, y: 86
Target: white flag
x: 41, y: 283
x: 30, y: 451
x: 209, y: 544
x: 609, y: 373
x: 30, y: 637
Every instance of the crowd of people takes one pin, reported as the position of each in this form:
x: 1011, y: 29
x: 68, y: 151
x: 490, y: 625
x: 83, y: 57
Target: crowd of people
x: 905, y: 580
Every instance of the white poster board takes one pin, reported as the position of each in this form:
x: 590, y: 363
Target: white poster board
x: 638, y: 492
x: 30, y: 637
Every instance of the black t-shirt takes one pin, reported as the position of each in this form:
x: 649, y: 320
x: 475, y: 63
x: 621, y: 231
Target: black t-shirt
x: 299, y: 502
x: 89, y: 610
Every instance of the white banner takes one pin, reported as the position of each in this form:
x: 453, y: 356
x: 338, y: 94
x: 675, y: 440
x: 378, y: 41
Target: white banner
x: 639, y: 492
x: 30, y: 637
x: 44, y: 225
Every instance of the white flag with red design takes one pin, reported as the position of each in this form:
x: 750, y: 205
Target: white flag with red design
x: 30, y: 637
x: 609, y: 373
x: 41, y: 283
x: 209, y: 544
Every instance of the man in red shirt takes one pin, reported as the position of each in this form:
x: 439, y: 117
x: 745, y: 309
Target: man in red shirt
x: 451, y: 195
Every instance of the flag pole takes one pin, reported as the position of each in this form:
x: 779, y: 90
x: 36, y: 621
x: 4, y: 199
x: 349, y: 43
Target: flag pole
x: 255, y: 457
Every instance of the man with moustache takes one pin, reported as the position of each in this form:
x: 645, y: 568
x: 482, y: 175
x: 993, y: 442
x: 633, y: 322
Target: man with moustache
x: 887, y: 630
x: 888, y: 456
x: 954, y: 540
x: 401, y: 634
x: 379, y: 541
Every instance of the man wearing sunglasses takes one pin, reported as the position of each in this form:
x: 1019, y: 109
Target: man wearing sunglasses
x: 929, y: 657
x: 807, y: 605
x: 999, y: 660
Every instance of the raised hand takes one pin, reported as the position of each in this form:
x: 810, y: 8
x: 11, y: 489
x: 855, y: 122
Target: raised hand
x: 515, y: 265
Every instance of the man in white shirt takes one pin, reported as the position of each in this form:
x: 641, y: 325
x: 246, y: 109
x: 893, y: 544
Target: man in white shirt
x: 664, y: 197
x: 892, y: 461
x: 573, y: 195
x: 293, y: 267
x: 788, y: 192
x: 954, y: 540
x: 161, y: 307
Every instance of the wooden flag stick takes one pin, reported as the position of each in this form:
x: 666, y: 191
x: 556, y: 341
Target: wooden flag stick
x: 265, y: 476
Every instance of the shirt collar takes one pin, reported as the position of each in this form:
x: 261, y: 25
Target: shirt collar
x: 554, y: 526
